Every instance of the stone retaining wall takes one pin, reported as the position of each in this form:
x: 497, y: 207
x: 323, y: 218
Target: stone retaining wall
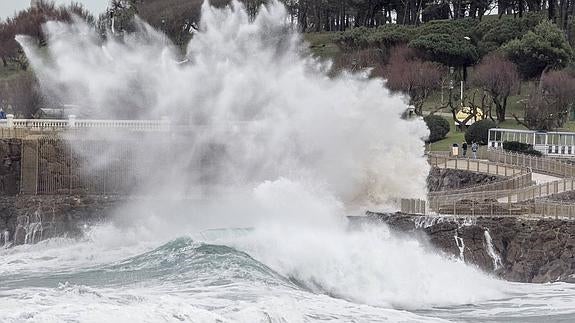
x: 10, y: 158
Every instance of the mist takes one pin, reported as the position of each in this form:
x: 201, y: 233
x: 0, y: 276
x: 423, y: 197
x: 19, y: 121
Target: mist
x: 261, y: 138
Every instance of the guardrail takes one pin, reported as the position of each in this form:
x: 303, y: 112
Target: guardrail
x: 548, y: 165
x: 534, y: 209
x: 493, y: 199
x: 507, y: 196
x: 515, y: 182
x: 413, y: 206
x: 475, y: 165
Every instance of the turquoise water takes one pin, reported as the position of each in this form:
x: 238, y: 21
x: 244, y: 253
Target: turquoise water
x: 188, y: 280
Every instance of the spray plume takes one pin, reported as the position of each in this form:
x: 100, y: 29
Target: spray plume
x: 257, y: 116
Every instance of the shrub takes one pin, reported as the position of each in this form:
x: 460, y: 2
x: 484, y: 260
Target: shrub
x: 479, y: 131
x: 521, y: 148
x: 438, y: 127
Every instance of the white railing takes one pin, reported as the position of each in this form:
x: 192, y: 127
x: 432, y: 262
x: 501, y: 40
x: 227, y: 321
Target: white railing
x: 72, y: 123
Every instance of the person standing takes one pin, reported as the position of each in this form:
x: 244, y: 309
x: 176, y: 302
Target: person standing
x: 474, y: 148
x: 464, y: 147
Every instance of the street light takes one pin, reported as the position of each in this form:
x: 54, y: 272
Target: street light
x: 464, y: 67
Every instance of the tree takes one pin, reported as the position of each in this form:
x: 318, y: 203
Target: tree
x: 406, y: 73
x: 544, y: 47
x: 361, y: 60
x: 447, y: 49
x: 29, y: 22
x: 447, y: 42
x: 22, y: 92
x: 550, y: 103
x: 499, y: 77
x: 494, y: 33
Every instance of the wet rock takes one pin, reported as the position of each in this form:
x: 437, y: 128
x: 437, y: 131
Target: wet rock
x: 452, y: 179
x: 534, y: 251
x: 29, y: 219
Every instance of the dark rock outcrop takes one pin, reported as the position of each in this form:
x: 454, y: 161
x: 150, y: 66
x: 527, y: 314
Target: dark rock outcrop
x: 452, y: 179
x: 523, y: 250
x: 29, y: 219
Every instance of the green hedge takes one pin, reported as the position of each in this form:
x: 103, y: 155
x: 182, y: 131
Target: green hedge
x: 521, y: 148
x: 438, y: 127
x: 479, y: 131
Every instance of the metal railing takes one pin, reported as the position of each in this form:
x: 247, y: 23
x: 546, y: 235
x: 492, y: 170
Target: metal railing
x: 547, y: 165
x: 508, y: 196
x: 515, y: 182
x: 532, y: 209
x: 413, y: 206
x: 476, y: 165
x: 51, y: 166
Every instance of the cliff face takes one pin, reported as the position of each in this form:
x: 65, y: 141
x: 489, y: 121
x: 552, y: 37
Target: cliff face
x: 514, y: 249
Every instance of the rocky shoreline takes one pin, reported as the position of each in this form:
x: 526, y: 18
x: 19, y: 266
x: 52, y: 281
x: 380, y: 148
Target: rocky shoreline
x: 512, y: 248
x: 515, y: 249
x: 29, y: 219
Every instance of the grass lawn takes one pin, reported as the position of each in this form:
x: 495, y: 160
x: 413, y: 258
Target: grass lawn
x: 453, y: 137
x: 457, y: 137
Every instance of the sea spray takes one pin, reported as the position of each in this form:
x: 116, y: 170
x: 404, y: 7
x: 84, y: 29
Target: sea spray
x: 30, y: 226
x: 6, y: 239
x: 491, y: 250
x: 273, y: 143
x: 255, y: 105
x: 460, y: 245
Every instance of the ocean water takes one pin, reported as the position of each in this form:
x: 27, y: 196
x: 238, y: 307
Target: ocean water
x: 234, y: 275
x: 297, y: 148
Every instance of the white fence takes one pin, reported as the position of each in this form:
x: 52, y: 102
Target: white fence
x: 72, y: 123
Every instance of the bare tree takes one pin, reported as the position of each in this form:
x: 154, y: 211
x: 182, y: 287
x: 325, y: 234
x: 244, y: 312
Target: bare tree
x: 499, y: 77
x: 23, y: 94
x: 407, y: 74
x: 29, y: 22
x: 176, y: 18
x: 550, y: 103
x: 360, y: 60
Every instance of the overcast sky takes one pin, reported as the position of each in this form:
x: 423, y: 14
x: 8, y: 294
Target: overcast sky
x: 9, y: 7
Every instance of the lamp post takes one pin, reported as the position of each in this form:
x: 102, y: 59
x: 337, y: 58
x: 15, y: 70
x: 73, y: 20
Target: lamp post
x: 463, y: 76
